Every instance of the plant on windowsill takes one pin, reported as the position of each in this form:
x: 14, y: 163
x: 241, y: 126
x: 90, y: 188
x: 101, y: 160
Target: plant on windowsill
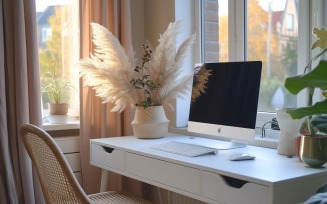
x: 314, y: 113
x: 56, y: 90
x: 116, y: 78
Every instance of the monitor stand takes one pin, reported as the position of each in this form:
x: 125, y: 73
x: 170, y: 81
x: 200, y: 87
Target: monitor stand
x: 233, y: 144
x: 214, y: 143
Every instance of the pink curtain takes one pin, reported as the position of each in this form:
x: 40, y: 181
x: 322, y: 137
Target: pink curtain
x: 19, y: 99
x: 96, y: 119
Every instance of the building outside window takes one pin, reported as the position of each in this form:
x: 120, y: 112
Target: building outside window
x: 46, y: 34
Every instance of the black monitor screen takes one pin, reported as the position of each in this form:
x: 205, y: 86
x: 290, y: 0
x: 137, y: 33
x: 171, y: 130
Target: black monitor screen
x: 230, y: 95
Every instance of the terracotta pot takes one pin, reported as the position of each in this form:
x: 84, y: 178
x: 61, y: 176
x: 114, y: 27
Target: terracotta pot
x: 150, y: 122
x: 58, y: 109
x: 313, y: 150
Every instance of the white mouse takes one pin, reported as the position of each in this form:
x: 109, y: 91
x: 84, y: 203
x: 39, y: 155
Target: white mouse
x: 241, y: 157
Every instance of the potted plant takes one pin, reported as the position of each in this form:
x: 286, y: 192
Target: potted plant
x: 314, y: 112
x: 116, y: 78
x: 55, y: 90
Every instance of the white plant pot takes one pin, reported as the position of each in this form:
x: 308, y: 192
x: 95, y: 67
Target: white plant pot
x: 150, y: 122
x: 289, y: 130
x: 58, y: 119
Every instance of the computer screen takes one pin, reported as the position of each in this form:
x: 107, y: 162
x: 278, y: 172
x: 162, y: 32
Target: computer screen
x: 225, y: 100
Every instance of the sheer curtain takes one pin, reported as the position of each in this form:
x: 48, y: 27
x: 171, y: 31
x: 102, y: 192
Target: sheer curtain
x: 19, y: 100
x: 96, y: 119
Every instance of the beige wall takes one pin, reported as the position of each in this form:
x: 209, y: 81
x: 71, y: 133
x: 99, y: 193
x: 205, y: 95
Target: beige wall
x: 149, y: 19
x: 137, y: 14
x: 157, y: 15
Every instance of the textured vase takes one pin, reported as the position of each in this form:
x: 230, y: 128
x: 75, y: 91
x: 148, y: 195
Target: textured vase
x: 58, y: 109
x: 289, y: 130
x: 313, y: 150
x: 150, y: 122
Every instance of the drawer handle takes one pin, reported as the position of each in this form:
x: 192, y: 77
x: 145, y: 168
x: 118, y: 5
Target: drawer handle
x: 108, y: 149
x: 234, y: 182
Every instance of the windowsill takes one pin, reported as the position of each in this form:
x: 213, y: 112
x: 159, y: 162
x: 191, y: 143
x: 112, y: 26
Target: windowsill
x: 70, y: 125
x: 258, y: 140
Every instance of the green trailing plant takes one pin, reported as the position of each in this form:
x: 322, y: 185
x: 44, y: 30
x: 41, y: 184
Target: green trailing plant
x: 313, y: 79
x: 56, y: 88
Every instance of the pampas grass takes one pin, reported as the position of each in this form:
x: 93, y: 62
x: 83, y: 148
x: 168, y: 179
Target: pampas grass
x: 201, y: 75
x: 117, y: 79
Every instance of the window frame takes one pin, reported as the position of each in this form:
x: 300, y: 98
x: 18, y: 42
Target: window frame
x: 290, y: 22
x: 312, y: 14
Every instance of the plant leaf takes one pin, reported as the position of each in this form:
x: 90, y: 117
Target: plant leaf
x: 317, y: 109
x: 320, y: 122
x: 316, y: 78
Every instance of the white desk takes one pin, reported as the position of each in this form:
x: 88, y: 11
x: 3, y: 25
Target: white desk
x: 269, y: 179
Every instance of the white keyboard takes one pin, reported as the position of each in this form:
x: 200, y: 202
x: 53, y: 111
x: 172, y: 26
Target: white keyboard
x: 185, y: 149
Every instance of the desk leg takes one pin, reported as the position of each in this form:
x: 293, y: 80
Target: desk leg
x: 104, y: 181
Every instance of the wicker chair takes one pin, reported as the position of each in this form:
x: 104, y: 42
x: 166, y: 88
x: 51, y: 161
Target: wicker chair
x: 58, y: 182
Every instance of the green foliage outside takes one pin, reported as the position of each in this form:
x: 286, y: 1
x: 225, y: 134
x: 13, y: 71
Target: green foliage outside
x: 282, y: 57
x: 50, y: 57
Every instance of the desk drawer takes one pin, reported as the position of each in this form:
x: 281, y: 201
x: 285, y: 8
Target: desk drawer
x: 233, y: 191
x: 107, y: 157
x: 174, y: 175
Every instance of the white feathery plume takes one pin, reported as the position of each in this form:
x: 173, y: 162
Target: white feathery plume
x: 164, y: 54
x: 109, y: 48
x: 172, y: 79
x: 110, y: 70
x: 181, y: 89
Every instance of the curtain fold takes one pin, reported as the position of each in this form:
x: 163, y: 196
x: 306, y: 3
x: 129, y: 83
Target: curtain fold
x: 96, y: 119
x: 19, y: 100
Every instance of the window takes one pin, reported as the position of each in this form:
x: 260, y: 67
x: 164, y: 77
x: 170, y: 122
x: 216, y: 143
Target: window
x: 289, y: 22
x: 46, y: 34
x: 58, y: 41
x: 264, y: 40
x: 265, y: 30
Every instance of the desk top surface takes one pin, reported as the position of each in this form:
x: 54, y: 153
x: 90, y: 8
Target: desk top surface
x: 269, y: 168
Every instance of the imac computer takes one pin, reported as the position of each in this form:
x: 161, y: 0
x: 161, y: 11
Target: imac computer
x: 226, y: 103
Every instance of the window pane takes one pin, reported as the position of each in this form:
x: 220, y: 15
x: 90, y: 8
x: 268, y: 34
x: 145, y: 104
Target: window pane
x: 272, y: 38
x: 223, y: 30
x: 58, y: 39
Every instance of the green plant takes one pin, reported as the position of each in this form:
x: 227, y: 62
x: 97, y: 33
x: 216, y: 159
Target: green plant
x: 144, y: 83
x: 55, y: 89
x: 316, y: 78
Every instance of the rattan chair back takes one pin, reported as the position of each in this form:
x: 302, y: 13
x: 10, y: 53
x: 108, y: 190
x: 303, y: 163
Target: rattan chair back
x: 58, y: 182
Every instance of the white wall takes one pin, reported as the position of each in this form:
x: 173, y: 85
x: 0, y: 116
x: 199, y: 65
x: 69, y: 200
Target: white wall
x: 150, y: 18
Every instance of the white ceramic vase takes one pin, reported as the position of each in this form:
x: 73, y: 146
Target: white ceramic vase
x: 150, y: 122
x: 289, y: 130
